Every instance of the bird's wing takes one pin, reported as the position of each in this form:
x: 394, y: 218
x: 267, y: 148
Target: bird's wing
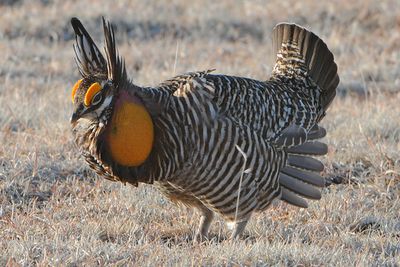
x: 286, y: 109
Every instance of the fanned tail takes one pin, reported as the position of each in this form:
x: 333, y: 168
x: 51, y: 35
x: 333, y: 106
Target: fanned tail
x: 302, y: 53
x: 300, y: 177
x: 303, y: 57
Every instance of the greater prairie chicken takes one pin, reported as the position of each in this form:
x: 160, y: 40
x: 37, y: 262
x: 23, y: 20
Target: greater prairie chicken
x: 222, y: 144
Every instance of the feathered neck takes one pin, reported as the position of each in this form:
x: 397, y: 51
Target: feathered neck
x: 129, y: 134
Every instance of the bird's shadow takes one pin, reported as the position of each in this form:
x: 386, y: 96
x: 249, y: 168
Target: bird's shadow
x: 189, y: 238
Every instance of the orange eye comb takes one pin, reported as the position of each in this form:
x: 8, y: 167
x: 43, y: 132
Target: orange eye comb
x: 93, y: 89
x: 75, y: 88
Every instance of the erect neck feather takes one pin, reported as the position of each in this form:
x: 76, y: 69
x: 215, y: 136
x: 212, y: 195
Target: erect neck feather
x: 124, y: 97
x: 130, y: 134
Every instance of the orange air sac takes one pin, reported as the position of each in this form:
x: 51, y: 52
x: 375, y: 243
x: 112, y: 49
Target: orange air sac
x: 130, y: 135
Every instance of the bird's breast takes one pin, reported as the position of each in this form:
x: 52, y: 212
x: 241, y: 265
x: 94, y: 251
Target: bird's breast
x: 130, y: 134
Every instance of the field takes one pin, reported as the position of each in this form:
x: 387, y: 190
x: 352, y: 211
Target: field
x: 55, y: 211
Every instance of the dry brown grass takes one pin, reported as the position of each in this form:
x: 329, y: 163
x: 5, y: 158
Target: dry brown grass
x: 54, y: 211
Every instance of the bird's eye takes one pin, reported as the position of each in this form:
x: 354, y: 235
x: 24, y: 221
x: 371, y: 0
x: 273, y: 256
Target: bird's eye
x: 97, y: 98
x: 92, y: 91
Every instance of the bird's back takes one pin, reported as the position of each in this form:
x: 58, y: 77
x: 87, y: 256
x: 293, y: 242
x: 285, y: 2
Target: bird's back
x: 267, y: 107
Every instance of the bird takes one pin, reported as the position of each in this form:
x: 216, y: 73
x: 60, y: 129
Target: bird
x: 221, y: 144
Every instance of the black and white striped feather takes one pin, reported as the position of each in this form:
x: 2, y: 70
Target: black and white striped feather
x: 88, y: 57
x: 209, y: 128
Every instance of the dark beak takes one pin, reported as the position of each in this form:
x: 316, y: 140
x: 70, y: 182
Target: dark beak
x: 74, y: 118
x: 78, y: 113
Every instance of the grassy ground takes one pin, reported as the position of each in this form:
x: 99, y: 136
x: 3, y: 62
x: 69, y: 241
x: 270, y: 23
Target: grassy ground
x: 55, y: 211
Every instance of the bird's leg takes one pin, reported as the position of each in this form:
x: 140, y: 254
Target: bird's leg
x: 238, y: 229
x: 205, y: 222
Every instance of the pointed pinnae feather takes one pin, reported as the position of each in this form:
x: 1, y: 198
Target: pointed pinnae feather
x: 88, y: 57
x: 78, y: 61
x: 115, y: 64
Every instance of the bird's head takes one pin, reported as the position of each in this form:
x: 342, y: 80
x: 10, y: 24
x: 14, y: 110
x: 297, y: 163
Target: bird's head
x: 109, y: 112
x: 93, y: 95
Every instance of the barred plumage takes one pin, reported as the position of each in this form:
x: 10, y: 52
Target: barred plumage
x: 222, y: 144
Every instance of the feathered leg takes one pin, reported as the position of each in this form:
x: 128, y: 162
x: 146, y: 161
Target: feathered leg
x: 205, y: 222
x: 238, y: 229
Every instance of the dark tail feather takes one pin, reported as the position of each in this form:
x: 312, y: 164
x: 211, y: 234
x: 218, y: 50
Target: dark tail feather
x: 301, y: 51
x: 309, y: 148
x: 299, y: 178
x: 292, y: 198
x: 302, y: 54
x: 305, y: 163
x: 297, y: 186
x: 316, y: 132
x: 308, y: 177
x: 298, y: 183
